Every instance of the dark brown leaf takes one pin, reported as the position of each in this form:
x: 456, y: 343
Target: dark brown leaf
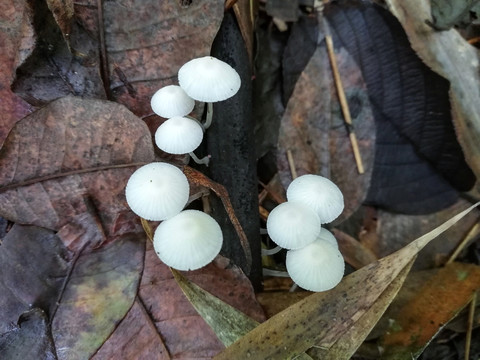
x: 69, y: 160
x: 62, y: 11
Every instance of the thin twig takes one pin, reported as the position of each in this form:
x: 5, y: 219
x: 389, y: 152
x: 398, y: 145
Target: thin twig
x: 471, y: 315
x: 104, y: 72
x: 291, y: 164
x: 344, y: 104
x: 470, y: 235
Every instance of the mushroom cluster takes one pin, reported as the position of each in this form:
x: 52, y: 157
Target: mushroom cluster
x: 206, y: 79
x: 184, y: 240
x: 313, y: 259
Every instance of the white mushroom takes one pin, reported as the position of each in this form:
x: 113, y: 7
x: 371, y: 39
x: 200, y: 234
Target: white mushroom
x: 188, y: 240
x: 319, y: 193
x: 318, y: 266
x: 180, y: 135
x: 157, y: 191
x: 209, y: 79
x: 171, y: 101
x: 327, y: 236
x: 293, y: 225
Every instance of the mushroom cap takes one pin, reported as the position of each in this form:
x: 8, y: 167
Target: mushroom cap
x: 208, y: 79
x: 319, y: 193
x: 293, y: 225
x: 318, y: 266
x: 327, y: 236
x: 188, y: 240
x: 170, y: 101
x: 157, y: 191
x: 179, y: 135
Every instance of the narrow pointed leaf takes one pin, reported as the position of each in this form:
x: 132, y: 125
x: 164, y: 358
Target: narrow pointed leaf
x: 228, y: 323
x: 322, y: 318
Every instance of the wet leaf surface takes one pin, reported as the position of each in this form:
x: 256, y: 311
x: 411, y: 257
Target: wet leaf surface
x: 313, y: 128
x: 322, y: 318
x: 417, y: 156
x: 65, y: 167
x: 30, y: 339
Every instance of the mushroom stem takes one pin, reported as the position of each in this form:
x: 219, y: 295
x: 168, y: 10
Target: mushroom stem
x: 208, y: 120
x: 273, y: 251
x: 277, y: 273
x: 205, y: 160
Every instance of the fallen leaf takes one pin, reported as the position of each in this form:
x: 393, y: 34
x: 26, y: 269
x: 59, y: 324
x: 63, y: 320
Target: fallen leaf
x: 313, y: 128
x: 417, y: 156
x: 17, y: 44
x: 166, y: 317
x: 228, y: 323
x: 66, y: 153
x: 322, y: 318
x: 63, y: 12
x: 33, y: 265
x: 448, y: 54
x: 440, y: 299
x: 30, y: 340
x: 351, y: 339
x: 150, y: 40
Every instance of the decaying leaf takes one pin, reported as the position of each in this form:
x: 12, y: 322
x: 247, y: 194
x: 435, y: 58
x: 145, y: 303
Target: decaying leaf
x: 313, y: 128
x: 69, y: 159
x: 418, y: 161
x: 63, y: 12
x: 448, y: 54
x: 17, y: 44
x: 413, y: 325
x: 322, y: 318
x: 30, y: 339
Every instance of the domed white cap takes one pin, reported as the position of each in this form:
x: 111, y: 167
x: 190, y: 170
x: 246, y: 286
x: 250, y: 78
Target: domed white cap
x: 208, y: 79
x: 293, y: 225
x: 318, y: 266
x: 171, y: 101
x: 157, y: 191
x: 188, y: 240
x: 327, y: 236
x: 179, y: 135
x: 319, y: 193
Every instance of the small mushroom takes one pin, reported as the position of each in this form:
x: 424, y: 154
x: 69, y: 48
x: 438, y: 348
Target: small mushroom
x: 327, y: 236
x: 188, y: 241
x: 171, y: 101
x: 208, y: 79
x: 318, y: 266
x: 157, y: 191
x: 319, y: 193
x: 180, y: 135
x: 293, y: 225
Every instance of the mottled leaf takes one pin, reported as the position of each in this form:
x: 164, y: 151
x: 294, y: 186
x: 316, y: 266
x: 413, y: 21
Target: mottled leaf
x: 313, y: 128
x: 448, y: 54
x: 100, y: 290
x: 169, y: 321
x: 69, y: 160
x: 417, y: 157
x: 447, y: 291
x: 322, y: 318
x: 30, y: 339
x: 350, y: 341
